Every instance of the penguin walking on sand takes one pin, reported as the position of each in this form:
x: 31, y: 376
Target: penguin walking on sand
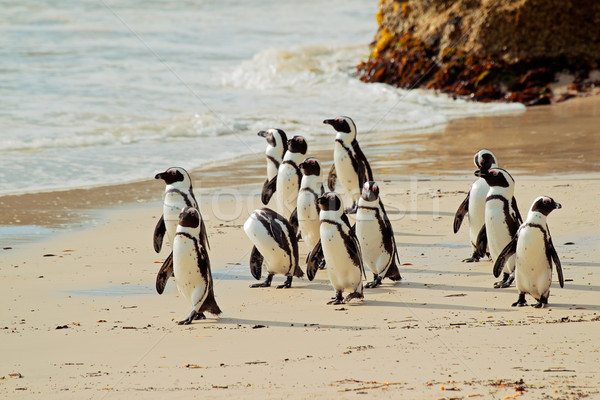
x: 192, y: 267
x: 276, y: 147
x: 307, y: 210
x: 289, y: 178
x: 535, y: 254
x: 178, y: 194
x: 340, y: 249
x: 474, y: 204
x: 276, y: 244
x: 350, y: 166
x: 502, y: 219
x: 376, y: 236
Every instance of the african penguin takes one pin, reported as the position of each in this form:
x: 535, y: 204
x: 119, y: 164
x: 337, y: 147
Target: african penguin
x: 276, y: 148
x: 535, y: 254
x: 275, y: 243
x: 351, y: 167
x: 502, y: 219
x: 178, y: 194
x: 311, y: 188
x: 340, y: 249
x: 376, y: 236
x: 474, y: 204
x: 289, y: 176
x: 191, y: 266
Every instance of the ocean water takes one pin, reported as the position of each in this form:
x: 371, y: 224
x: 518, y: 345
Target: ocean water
x: 102, y: 92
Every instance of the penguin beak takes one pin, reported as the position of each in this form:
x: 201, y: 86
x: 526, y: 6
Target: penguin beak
x: 322, y: 200
x: 557, y: 205
x: 158, y: 176
x: 301, y: 165
x: 329, y: 121
x: 262, y: 133
x: 481, y: 174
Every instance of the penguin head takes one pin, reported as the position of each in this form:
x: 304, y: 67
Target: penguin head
x: 330, y: 201
x: 275, y: 137
x: 189, y: 217
x: 484, y: 160
x: 370, y: 191
x: 174, y: 175
x: 310, y: 166
x: 496, y: 177
x: 297, y: 144
x: 544, y: 205
x: 344, y: 126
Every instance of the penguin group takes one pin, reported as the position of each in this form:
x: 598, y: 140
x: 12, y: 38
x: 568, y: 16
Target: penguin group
x: 319, y: 217
x: 306, y: 210
x: 521, y: 251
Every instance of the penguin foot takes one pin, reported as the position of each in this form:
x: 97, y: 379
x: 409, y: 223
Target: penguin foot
x: 321, y: 264
x: 266, y: 283
x: 505, y: 282
x: 539, y: 304
x: 354, y: 295
x: 376, y: 282
x: 287, y: 284
x: 521, y: 301
x: 471, y: 259
x: 189, y: 319
x: 200, y: 316
x: 338, y: 299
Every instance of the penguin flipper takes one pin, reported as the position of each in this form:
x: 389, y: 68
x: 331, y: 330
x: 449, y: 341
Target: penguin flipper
x: 210, y: 304
x: 256, y: 262
x: 164, y: 273
x: 518, y: 217
x: 269, y: 188
x: 481, y: 242
x: 159, y: 234
x: 203, y: 235
x: 393, y: 273
x: 554, y: 256
x: 461, y: 212
x: 313, y: 259
x: 508, y: 251
x: 294, y: 219
x: 332, y: 178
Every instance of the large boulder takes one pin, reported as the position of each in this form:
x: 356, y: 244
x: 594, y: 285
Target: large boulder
x: 508, y: 50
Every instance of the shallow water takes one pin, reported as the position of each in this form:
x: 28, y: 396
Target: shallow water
x: 100, y: 93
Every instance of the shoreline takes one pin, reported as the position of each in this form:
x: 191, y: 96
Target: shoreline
x: 527, y: 144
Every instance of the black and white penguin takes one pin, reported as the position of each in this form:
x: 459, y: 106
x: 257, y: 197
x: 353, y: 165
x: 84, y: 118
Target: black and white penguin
x: 350, y: 166
x: 376, y: 236
x: 275, y: 243
x: 341, y: 249
x: 307, y: 209
x: 178, y: 194
x: 535, y: 254
x: 289, y: 176
x: 276, y: 148
x: 502, y: 219
x: 474, y: 204
x: 191, y: 266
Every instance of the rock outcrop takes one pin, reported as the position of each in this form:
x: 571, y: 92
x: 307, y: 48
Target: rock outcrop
x: 503, y: 50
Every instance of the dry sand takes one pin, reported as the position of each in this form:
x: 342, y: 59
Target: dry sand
x: 80, y: 317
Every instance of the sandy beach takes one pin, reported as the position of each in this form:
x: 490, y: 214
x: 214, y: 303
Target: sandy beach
x: 80, y: 317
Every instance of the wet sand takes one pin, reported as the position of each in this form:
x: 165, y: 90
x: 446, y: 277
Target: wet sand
x: 81, y: 318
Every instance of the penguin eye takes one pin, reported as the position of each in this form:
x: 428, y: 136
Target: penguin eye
x: 494, y: 172
x: 546, y: 201
x: 171, y: 172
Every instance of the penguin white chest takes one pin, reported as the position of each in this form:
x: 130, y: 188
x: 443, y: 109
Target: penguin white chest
x: 287, y: 189
x: 342, y: 272
x: 534, y: 272
x: 186, y: 268
x: 346, y: 174
x: 308, y: 218
x: 496, y: 227
x: 370, y: 237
